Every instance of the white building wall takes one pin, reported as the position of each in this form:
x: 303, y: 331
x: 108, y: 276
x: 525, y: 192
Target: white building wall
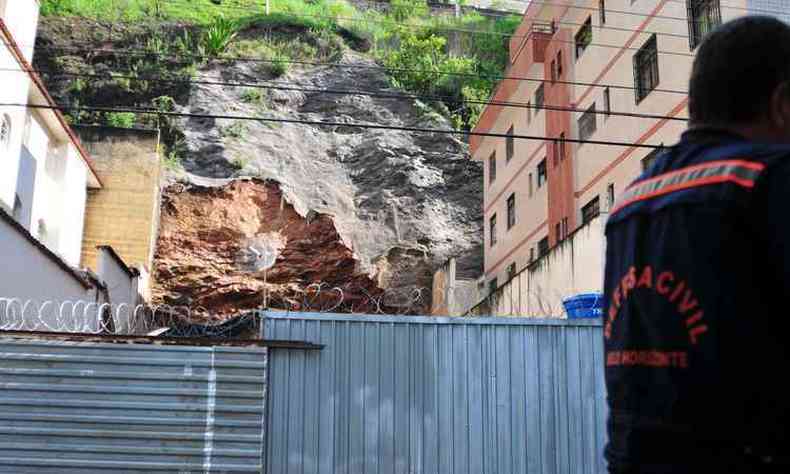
x: 21, y: 18
x: 14, y: 88
x: 73, y: 207
x: 29, y: 274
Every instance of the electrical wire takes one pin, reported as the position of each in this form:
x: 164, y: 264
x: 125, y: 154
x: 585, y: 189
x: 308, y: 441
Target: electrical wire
x: 320, y: 123
x: 385, y: 95
x: 493, y: 77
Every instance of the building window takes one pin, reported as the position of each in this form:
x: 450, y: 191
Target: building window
x: 591, y: 210
x: 532, y: 254
x: 530, y: 185
x: 492, y: 286
x: 543, y: 247
x: 542, y: 175
x: 587, y: 125
x: 556, y: 151
x: 529, y: 112
x: 5, y: 132
x: 557, y: 232
x: 17, y: 208
x: 539, y: 98
x: 703, y: 16
x: 509, y: 145
x: 553, y: 71
x: 559, y: 64
x: 610, y: 196
x: 492, y: 229
x: 602, y: 11
x: 562, y: 146
x: 646, y: 69
x: 607, y: 102
x: 492, y: 168
x: 511, y: 211
x: 583, y: 37
x: 650, y: 158
x: 511, y: 271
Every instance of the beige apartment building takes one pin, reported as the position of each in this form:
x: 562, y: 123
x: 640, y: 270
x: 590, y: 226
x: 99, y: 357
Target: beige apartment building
x: 597, y: 70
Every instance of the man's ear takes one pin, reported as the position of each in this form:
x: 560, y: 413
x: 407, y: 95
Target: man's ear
x: 780, y: 106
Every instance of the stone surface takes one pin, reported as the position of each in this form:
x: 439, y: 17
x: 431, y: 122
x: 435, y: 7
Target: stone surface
x: 402, y: 202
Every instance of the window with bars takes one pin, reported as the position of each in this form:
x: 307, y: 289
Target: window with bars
x: 607, y: 102
x: 559, y: 64
x: 591, y: 210
x: 703, y: 16
x: 587, y: 123
x: 610, y: 196
x: 542, y: 174
x: 553, y: 71
x: 602, y: 11
x: 562, y: 146
x: 543, y: 246
x: 646, y: 69
x: 583, y: 37
x: 556, y: 151
x: 529, y: 112
x: 511, y: 211
x: 492, y: 168
x: 539, y: 97
x: 530, y: 185
x: 492, y: 230
x: 650, y: 158
x: 509, y: 145
x: 5, y: 131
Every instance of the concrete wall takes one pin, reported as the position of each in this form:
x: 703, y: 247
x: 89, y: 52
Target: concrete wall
x: 125, y: 212
x: 29, y: 272
x: 452, y: 296
x: 574, y: 266
x: 121, y: 284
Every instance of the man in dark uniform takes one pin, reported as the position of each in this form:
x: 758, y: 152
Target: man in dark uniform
x: 698, y: 275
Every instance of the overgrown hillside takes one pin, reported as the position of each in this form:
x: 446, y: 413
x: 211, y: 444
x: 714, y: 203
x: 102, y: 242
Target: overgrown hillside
x: 400, y: 203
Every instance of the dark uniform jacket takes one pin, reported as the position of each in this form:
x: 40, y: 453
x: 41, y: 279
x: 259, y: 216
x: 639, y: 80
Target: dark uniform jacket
x: 697, y: 289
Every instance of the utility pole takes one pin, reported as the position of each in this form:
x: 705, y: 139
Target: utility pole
x: 267, y: 7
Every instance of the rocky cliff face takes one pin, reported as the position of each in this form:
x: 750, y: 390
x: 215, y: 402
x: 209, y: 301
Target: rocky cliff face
x: 203, y: 259
x: 352, y: 207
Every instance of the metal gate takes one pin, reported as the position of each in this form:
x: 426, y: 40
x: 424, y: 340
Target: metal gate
x: 419, y: 395
x: 98, y: 408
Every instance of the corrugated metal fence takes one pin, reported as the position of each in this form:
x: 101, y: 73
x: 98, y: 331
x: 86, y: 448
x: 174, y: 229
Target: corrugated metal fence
x: 414, y: 395
x: 97, y: 408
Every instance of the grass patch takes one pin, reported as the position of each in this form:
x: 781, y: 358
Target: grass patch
x: 404, y: 38
x: 121, y: 119
x: 235, y: 130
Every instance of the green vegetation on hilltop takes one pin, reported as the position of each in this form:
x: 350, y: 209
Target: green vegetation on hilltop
x: 430, y: 54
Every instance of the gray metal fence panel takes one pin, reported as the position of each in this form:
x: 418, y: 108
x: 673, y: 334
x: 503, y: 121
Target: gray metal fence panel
x: 418, y: 395
x: 97, y: 408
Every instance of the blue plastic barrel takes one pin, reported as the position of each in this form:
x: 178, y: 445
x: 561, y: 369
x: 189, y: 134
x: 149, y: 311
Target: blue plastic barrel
x: 586, y: 305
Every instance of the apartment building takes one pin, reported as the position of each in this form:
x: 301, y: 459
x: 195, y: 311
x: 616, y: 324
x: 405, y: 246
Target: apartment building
x: 597, y: 70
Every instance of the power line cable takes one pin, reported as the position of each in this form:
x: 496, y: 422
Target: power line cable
x: 493, y: 77
x: 360, y: 92
x: 325, y: 123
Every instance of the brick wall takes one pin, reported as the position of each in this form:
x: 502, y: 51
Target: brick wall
x: 124, y: 213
